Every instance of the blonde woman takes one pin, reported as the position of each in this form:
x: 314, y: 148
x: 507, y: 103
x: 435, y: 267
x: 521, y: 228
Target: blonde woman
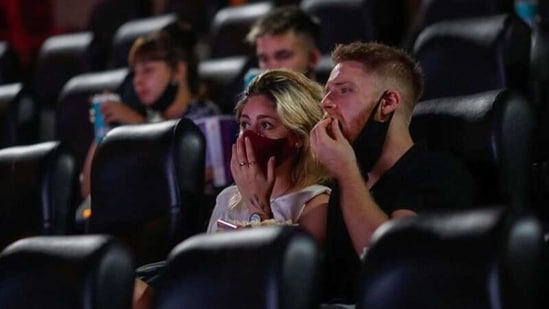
x: 277, y: 179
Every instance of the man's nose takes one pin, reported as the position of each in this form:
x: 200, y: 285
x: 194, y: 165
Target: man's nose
x: 327, y: 102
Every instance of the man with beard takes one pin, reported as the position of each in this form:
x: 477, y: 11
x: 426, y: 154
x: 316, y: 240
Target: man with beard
x: 380, y: 173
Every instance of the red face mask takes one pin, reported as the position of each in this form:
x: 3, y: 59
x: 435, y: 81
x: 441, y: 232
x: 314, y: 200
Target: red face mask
x: 265, y: 147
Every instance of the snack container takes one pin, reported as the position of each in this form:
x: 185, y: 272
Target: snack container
x: 101, y: 127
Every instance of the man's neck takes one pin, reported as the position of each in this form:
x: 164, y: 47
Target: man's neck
x: 396, y: 145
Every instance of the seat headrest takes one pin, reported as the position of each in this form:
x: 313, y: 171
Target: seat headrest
x: 147, y: 183
x: 38, y: 189
x: 472, y: 55
x: 467, y: 259
x: 58, y: 272
x: 277, y: 266
x: 490, y: 131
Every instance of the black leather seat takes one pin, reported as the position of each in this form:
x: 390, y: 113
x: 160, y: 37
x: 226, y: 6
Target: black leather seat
x: 61, y: 57
x: 72, y: 120
x: 10, y: 64
x: 539, y: 92
x: 468, y: 56
x: 491, y: 132
x: 230, y: 26
x: 433, y: 11
x: 389, y: 20
x: 18, y: 117
x: 482, y: 258
x: 38, y: 190
x: 147, y: 185
x: 105, y: 18
x: 341, y: 22
x: 270, y: 267
x: 128, y: 32
x: 66, y: 272
x: 224, y: 80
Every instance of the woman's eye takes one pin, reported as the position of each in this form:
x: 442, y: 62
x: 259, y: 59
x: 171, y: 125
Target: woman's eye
x: 244, y: 125
x: 266, y: 125
x: 345, y: 90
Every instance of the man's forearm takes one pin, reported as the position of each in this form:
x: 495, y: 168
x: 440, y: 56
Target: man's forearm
x: 361, y: 213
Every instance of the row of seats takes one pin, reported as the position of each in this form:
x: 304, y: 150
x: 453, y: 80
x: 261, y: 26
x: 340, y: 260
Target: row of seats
x: 484, y: 258
x: 63, y: 56
x: 145, y: 191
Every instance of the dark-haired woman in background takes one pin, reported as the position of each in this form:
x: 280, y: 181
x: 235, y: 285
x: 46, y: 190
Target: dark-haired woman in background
x: 164, y: 75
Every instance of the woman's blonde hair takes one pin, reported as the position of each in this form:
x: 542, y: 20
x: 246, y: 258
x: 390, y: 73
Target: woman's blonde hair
x: 297, y: 102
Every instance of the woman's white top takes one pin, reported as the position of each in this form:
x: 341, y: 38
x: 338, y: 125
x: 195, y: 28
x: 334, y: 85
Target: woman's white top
x: 288, y: 207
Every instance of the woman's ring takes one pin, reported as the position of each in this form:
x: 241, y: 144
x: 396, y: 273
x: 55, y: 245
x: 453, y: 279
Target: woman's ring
x: 242, y: 163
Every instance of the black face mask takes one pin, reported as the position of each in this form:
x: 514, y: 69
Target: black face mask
x: 369, y: 143
x: 166, y: 98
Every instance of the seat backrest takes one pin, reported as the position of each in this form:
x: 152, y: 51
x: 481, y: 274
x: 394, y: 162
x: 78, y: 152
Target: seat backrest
x: 491, y: 132
x: 276, y: 266
x: 66, y: 272
x: 482, y: 258
x: 462, y: 57
x: 38, y: 190
x: 72, y: 120
x: 128, y: 32
x: 341, y: 22
x: 17, y: 120
x: 433, y: 11
x: 389, y: 20
x: 230, y: 26
x: 105, y: 18
x: 61, y: 57
x: 10, y: 64
x: 224, y: 80
x: 147, y: 184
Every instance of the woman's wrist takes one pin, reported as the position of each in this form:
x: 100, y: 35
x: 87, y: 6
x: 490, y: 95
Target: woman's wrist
x: 260, y: 208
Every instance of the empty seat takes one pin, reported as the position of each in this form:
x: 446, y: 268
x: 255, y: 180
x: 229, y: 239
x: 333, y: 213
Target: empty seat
x: 433, y: 11
x: 147, y: 185
x: 10, y: 65
x: 128, y: 32
x: 105, y: 18
x: 389, y: 20
x: 66, y: 272
x: 277, y: 267
x: 483, y: 258
x: 72, y: 120
x: 224, y: 80
x: 230, y: 27
x: 18, y: 118
x: 467, y: 56
x: 38, y: 190
x: 341, y: 21
x: 61, y: 57
x: 491, y: 132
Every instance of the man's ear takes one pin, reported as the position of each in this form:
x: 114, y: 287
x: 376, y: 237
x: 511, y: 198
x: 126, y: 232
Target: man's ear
x: 389, y: 103
x: 315, y: 58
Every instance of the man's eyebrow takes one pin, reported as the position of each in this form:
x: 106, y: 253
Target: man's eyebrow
x: 338, y: 84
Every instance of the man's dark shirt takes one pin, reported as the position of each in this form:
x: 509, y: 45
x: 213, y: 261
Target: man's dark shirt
x: 421, y: 180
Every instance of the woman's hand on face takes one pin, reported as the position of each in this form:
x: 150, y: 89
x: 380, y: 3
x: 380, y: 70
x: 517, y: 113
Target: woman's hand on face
x: 331, y: 148
x: 121, y: 113
x: 254, y: 186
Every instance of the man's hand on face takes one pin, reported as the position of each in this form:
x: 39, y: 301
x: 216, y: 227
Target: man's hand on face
x: 331, y: 148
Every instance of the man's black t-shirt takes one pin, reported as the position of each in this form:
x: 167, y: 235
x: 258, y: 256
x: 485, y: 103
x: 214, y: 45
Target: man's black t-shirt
x: 421, y: 180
